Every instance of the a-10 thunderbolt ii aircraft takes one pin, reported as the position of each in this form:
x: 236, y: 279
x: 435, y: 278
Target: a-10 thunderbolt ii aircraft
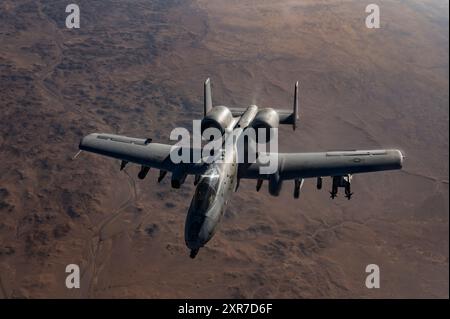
x: 217, y: 179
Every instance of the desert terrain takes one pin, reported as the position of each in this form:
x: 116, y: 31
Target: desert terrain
x: 137, y: 68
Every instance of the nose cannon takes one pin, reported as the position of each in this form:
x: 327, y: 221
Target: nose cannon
x: 199, y: 229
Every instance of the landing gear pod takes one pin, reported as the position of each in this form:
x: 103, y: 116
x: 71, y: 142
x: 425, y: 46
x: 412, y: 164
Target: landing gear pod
x: 319, y: 183
x: 275, y: 184
x: 193, y: 253
x: 178, y: 178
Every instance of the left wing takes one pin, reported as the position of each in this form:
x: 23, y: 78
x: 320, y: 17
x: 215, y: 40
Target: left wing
x: 143, y: 152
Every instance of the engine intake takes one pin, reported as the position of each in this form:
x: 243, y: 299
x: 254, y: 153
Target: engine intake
x: 219, y: 117
x: 266, y: 119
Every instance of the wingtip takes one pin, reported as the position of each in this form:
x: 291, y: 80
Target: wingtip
x: 402, y: 158
x: 84, y: 140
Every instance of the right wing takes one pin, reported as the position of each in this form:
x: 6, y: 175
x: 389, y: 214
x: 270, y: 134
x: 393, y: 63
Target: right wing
x: 335, y: 163
x: 137, y: 150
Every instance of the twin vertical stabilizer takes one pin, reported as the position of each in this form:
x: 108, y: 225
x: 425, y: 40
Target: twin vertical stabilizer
x: 285, y: 116
x: 207, y: 98
x: 295, y: 112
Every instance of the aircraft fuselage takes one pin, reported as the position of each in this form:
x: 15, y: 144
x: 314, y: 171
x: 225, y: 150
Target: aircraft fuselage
x: 208, y: 203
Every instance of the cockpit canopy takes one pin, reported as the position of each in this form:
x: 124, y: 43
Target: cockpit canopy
x: 206, y: 190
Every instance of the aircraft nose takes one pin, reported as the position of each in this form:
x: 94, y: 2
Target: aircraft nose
x: 198, y: 232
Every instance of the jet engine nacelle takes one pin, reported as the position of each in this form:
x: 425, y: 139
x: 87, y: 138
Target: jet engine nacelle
x: 218, y: 117
x: 275, y: 184
x: 266, y: 119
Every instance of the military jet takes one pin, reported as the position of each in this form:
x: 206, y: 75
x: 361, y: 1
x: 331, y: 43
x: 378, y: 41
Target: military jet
x: 216, y: 180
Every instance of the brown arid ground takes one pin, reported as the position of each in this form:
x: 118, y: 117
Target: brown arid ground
x: 136, y: 67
